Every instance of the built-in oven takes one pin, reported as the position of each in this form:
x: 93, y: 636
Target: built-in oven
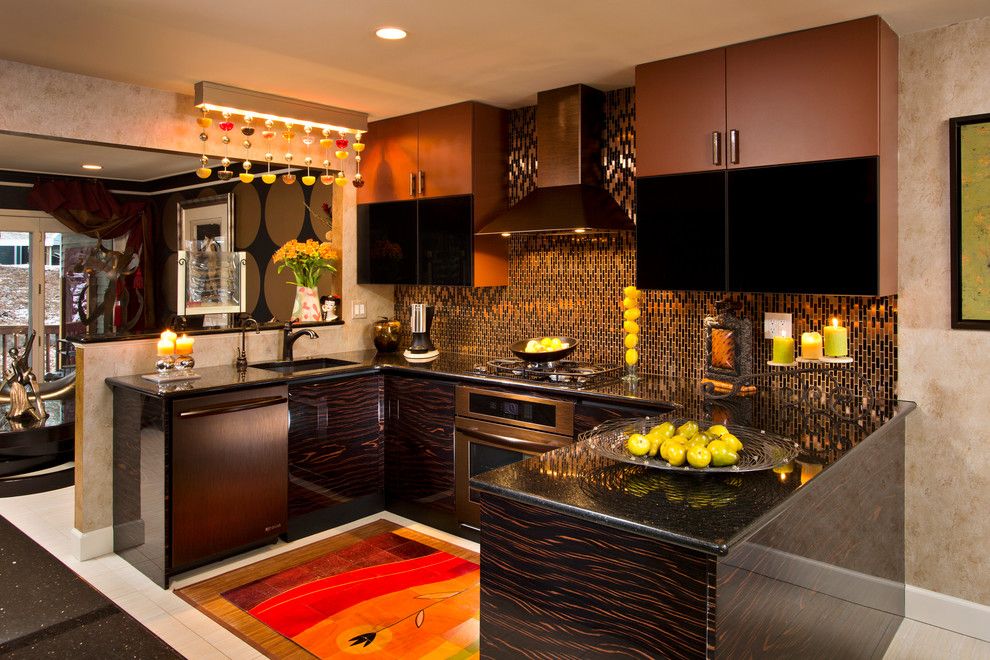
x: 494, y: 428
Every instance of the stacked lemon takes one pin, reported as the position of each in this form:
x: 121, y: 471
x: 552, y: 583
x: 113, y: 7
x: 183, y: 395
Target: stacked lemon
x: 687, y: 443
x: 630, y: 324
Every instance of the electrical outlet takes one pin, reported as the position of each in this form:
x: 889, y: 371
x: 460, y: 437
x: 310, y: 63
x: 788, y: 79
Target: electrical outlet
x: 358, y: 310
x: 776, y: 324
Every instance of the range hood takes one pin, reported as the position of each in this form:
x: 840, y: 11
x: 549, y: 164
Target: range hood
x: 568, y: 197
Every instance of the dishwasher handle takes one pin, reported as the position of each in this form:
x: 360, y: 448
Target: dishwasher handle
x: 236, y: 406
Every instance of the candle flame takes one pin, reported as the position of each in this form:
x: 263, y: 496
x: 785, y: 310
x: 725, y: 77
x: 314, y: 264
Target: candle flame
x: 835, y: 322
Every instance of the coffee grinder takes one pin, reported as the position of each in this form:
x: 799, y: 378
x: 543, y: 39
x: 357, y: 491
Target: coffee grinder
x: 421, y: 349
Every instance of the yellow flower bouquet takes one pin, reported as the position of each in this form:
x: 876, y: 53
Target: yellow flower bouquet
x: 307, y: 261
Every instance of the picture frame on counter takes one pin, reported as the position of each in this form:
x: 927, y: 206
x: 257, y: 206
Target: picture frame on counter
x: 206, y: 220
x: 969, y: 195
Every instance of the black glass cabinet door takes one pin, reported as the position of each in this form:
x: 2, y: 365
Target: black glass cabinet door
x: 808, y: 228
x: 387, y: 243
x: 445, y: 233
x: 680, y: 232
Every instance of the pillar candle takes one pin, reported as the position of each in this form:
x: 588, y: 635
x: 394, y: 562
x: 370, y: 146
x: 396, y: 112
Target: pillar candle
x: 811, y: 346
x: 165, y: 347
x: 184, y: 345
x: 169, y: 335
x: 836, y: 340
x: 783, y: 349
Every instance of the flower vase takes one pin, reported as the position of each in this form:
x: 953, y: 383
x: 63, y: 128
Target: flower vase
x: 306, y: 307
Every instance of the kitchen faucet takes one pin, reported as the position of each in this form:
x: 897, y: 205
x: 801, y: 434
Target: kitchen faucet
x: 289, y: 338
x: 242, y: 352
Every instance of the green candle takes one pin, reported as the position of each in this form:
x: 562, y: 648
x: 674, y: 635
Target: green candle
x: 836, y: 340
x: 783, y: 349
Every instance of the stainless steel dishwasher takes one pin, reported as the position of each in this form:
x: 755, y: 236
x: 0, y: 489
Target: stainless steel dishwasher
x: 229, y: 472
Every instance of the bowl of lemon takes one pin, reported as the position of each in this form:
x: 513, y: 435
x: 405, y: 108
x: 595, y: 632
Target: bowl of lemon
x: 691, y: 446
x: 543, y: 349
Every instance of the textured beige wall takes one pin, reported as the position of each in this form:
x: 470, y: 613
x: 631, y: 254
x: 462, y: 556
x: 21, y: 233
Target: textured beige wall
x: 943, y: 74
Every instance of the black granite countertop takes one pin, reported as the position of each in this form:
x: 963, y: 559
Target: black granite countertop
x: 650, y: 390
x: 705, y: 512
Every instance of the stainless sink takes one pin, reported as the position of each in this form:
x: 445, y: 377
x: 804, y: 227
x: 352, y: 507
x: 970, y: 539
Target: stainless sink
x: 294, y: 366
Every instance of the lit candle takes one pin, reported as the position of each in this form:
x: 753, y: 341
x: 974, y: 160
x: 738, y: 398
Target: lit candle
x: 836, y: 340
x: 811, y: 346
x: 184, y: 345
x: 165, y: 347
x: 783, y: 349
x: 169, y: 335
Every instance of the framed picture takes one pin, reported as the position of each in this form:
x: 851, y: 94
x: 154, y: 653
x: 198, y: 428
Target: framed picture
x: 206, y: 223
x: 211, y: 282
x: 969, y: 176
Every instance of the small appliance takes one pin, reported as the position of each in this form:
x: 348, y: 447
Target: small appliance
x: 422, y: 348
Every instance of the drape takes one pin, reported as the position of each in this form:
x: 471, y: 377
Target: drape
x: 87, y: 207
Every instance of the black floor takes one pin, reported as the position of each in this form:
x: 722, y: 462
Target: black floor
x: 47, y: 610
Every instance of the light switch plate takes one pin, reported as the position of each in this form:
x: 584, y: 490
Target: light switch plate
x: 775, y: 323
x: 358, y: 310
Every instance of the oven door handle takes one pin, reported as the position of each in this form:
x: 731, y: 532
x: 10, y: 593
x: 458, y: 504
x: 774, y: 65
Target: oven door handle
x: 496, y: 440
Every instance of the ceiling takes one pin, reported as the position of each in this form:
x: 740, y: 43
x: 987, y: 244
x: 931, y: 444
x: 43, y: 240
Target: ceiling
x: 497, y: 52
x: 31, y: 154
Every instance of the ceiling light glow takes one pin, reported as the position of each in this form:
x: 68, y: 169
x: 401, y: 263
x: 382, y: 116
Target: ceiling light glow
x: 391, y: 33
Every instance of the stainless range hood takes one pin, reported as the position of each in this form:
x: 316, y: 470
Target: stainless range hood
x: 568, y: 196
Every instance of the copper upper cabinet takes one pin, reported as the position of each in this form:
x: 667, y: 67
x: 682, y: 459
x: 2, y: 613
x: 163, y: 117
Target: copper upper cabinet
x: 680, y: 114
x: 805, y: 96
x: 390, y: 159
x: 819, y: 94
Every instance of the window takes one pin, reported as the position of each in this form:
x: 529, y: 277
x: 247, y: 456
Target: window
x: 36, y: 251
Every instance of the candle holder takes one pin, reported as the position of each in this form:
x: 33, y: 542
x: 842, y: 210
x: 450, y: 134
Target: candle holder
x: 165, y: 364
x: 185, y: 362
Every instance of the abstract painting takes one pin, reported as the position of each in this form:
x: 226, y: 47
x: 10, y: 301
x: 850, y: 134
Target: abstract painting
x: 969, y: 145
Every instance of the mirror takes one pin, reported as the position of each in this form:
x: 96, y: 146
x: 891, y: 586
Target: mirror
x: 262, y: 217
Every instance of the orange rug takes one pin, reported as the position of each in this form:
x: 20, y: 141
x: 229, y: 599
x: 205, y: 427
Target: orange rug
x: 385, y: 595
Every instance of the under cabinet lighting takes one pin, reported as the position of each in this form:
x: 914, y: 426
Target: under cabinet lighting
x: 88, y: 166
x: 580, y: 230
x: 390, y: 33
x: 506, y: 234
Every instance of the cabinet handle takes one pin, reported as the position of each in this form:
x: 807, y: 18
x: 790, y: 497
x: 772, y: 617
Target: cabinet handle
x: 421, y: 185
x: 716, y: 147
x: 235, y: 406
x: 734, y: 146
x: 412, y: 184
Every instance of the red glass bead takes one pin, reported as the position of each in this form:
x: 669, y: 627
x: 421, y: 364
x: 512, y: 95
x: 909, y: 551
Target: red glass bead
x: 341, y: 143
x: 226, y: 125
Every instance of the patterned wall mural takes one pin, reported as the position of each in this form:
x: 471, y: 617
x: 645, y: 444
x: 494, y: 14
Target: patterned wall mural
x: 571, y: 285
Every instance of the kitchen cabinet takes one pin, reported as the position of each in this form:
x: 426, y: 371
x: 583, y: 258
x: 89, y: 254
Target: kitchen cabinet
x: 827, y: 94
x: 439, y: 175
x: 419, y: 449
x: 335, y: 454
x: 197, y: 478
x: 589, y: 414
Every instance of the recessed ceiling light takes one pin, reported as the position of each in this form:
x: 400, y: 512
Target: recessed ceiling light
x: 391, y: 33
x: 92, y: 167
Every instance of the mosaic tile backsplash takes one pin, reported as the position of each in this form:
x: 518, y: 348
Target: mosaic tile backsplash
x: 571, y: 285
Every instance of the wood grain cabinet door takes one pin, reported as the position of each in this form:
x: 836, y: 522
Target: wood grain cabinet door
x: 389, y: 159
x: 680, y: 104
x: 445, y: 143
x: 805, y: 96
x: 419, y: 442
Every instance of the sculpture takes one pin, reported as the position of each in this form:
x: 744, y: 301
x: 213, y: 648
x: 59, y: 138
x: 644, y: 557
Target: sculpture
x: 23, y: 384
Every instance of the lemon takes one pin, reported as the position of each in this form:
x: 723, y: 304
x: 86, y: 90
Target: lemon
x: 632, y: 356
x: 676, y: 453
x: 628, y: 303
x: 717, y: 430
x: 555, y: 343
x: 546, y: 341
x: 630, y: 292
x: 631, y: 314
x: 698, y: 457
x: 638, y: 444
x: 631, y: 327
x: 630, y: 341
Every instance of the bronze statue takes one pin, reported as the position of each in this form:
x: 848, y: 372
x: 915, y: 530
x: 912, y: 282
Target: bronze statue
x: 23, y: 384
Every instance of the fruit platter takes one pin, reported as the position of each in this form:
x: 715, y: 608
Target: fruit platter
x: 691, y: 446
x: 543, y: 349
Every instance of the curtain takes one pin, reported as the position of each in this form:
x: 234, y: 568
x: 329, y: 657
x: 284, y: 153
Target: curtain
x: 86, y: 207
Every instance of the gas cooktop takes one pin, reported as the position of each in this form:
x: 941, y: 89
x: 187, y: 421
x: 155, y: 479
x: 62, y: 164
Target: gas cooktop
x: 566, y: 373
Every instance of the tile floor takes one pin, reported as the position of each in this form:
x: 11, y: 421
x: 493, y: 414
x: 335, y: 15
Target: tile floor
x: 47, y: 518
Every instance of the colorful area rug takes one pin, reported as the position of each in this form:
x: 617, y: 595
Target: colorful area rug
x: 388, y: 593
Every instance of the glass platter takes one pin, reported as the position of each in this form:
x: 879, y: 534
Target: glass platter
x: 761, y: 450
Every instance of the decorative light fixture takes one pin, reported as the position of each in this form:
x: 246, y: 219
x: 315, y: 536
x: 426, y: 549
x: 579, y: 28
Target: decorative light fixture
x: 88, y: 166
x: 390, y: 33
x: 231, y: 102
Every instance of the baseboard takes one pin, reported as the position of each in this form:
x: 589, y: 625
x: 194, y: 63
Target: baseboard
x: 92, y: 544
x: 962, y: 616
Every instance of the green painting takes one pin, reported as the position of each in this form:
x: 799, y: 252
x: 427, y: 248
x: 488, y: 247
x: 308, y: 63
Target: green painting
x: 973, y: 248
